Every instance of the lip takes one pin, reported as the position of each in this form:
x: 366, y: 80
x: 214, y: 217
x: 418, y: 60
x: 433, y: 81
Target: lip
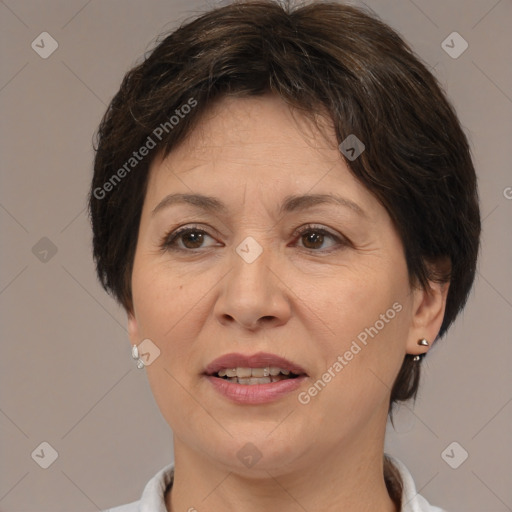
x: 259, y: 360
x: 256, y: 393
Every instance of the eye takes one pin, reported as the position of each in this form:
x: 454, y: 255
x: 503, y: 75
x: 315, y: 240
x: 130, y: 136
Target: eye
x: 190, y: 237
x: 313, y: 237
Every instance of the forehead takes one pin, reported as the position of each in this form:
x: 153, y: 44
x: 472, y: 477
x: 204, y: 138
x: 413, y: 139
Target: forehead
x: 258, y: 120
x: 255, y: 132
x: 256, y: 143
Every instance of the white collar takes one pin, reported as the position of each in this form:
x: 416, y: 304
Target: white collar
x: 412, y: 501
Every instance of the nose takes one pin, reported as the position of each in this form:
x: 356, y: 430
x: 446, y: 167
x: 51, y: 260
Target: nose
x: 254, y: 295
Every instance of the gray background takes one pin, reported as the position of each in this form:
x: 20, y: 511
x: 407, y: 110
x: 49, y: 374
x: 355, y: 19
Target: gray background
x: 66, y: 373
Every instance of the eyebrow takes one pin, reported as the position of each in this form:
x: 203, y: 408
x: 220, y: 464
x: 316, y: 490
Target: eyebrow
x: 291, y: 203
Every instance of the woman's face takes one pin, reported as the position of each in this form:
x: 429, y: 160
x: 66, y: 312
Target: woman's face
x: 251, y: 277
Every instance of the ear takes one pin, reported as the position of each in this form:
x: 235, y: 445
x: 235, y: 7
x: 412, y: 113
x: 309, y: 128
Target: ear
x: 133, y: 329
x: 427, y: 316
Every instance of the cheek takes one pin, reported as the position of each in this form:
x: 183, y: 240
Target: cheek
x: 167, y: 314
x: 165, y: 307
x: 360, y: 304
x: 163, y: 298
x: 368, y: 318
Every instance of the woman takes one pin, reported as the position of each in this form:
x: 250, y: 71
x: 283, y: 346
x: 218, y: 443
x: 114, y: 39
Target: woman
x: 285, y: 205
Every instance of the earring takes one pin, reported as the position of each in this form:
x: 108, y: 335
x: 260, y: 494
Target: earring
x: 135, y: 355
x: 422, y: 343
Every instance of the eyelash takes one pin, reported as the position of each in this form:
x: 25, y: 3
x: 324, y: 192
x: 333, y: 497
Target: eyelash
x: 168, y: 242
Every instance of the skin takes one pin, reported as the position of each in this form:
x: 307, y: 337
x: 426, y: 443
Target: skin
x: 302, y: 299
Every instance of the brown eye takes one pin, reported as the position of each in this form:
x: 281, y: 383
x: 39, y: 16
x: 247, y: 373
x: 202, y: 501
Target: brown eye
x: 185, y: 239
x: 192, y: 239
x: 313, y: 240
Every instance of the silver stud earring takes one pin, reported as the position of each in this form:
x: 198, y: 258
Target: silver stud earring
x: 135, y: 355
x: 422, y: 343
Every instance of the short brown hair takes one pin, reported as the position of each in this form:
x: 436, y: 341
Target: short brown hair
x: 318, y: 57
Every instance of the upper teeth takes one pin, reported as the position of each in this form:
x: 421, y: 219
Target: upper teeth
x: 252, y: 372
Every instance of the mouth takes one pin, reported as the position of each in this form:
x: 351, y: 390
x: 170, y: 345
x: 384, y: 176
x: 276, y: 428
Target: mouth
x: 252, y: 376
x: 261, y: 368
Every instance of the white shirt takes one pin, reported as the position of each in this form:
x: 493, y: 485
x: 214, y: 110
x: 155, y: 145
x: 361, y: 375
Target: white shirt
x: 153, y: 496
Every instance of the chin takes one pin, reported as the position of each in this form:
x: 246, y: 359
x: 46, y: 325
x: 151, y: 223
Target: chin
x: 256, y: 453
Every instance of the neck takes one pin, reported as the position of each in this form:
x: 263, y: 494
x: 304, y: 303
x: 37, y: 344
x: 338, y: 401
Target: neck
x: 351, y: 475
